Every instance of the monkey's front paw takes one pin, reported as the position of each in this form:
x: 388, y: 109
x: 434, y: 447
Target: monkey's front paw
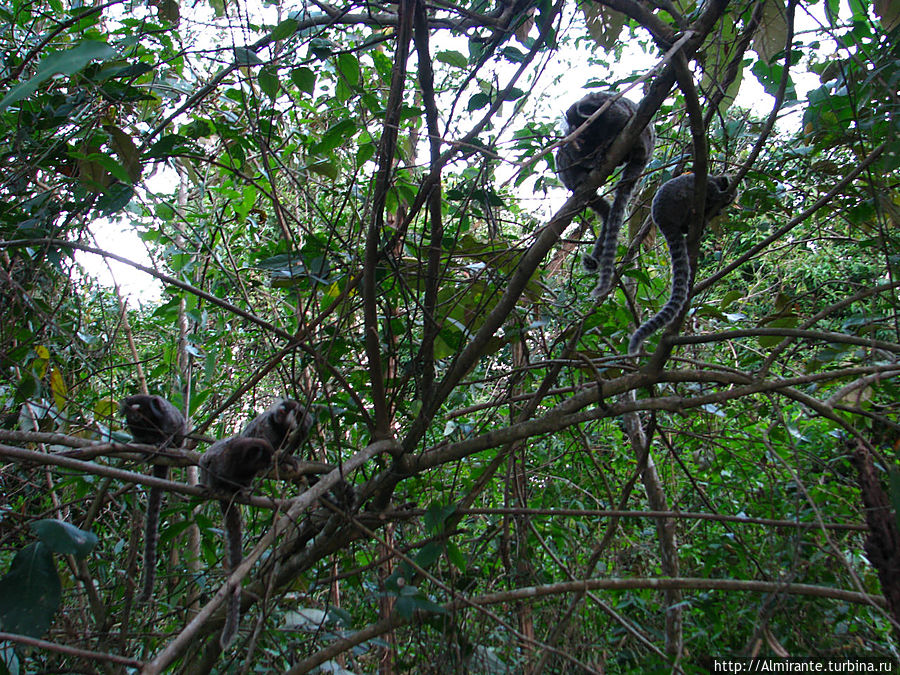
x: 590, y: 263
x: 288, y: 464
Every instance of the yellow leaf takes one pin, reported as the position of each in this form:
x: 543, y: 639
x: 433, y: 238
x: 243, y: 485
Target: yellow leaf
x: 58, y: 387
x: 106, y: 408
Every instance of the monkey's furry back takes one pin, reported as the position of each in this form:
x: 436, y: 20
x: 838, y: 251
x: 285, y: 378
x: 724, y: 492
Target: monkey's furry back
x: 576, y: 160
x: 672, y: 211
x: 154, y: 421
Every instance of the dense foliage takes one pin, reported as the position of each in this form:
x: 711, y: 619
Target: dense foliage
x: 354, y: 205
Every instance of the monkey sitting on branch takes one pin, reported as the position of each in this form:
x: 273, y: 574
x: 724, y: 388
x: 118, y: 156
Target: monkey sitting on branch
x: 152, y: 420
x: 577, y: 159
x: 672, y: 212
x: 226, y: 469
x: 285, y: 425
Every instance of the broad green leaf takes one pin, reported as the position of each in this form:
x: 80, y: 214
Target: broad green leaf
x: 334, y: 137
x: 769, y: 76
x: 30, y: 592
x: 325, y: 168
x: 268, y: 81
x: 285, y: 29
x: 65, y: 538
x: 452, y: 58
x: 305, y: 79
x: 348, y: 66
x: 730, y: 298
x: 66, y: 62
x: 429, y: 554
x: 456, y: 556
x: 172, y: 145
x: 437, y: 515
x: 478, y: 101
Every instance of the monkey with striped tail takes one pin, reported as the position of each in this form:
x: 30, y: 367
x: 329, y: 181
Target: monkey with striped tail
x: 672, y: 212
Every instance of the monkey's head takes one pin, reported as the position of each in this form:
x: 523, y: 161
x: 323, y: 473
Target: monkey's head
x: 719, y: 193
x: 153, y: 420
x: 285, y: 414
x: 286, y: 425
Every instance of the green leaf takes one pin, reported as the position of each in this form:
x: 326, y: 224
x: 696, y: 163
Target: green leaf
x: 324, y: 167
x: 436, y: 516
x: 429, y: 554
x: 456, y: 556
x: 172, y: 145
x: 268, y: 81
x: 245, y: 57
x: 452, y: 58
x: 730, y: 298
x: 66, y: 62
x: 305, y: 79
x: 115, y: 198
x: 769, y: 76
x: 321, y: 47
x: 64, y: 538
x: 383, y: 65
x: 479, y: 100
x: 334, y: 137
x: 30, y: 592
x: 342, y: 91
x: 285, y: 29
x: 348, y: 66
x: 513, y: 54
x: 364, y: 153
x: 513, y: 94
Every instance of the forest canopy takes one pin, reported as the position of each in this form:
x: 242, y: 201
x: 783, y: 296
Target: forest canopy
x: 357, y: 208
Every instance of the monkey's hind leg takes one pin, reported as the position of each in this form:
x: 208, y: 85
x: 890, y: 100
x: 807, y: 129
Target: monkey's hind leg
x: 602, y: 257
x: 600, y: 206
x: 151, y: 534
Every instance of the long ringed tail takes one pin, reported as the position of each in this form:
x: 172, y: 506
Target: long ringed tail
x: 681, y: 277
x: 151, y: 534
x: 231, y: 512
x: 602, y: 257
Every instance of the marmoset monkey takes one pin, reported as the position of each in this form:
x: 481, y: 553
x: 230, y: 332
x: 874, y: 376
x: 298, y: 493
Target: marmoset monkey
x: 577, y: 159
x: 672, y: 211
x: 152, y: 420
x: 227, y: 468
x: 285, y: 425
